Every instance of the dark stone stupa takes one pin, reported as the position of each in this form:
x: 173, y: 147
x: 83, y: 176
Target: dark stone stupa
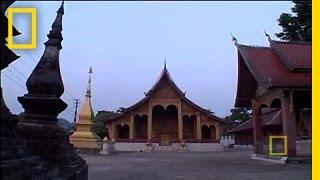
x: 42, y: 105
x: 36, y: 147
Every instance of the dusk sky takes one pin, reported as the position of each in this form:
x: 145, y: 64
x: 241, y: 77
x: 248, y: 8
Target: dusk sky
x: 126, y: 44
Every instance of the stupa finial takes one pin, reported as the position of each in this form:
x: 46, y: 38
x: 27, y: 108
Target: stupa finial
x: 88, y: 93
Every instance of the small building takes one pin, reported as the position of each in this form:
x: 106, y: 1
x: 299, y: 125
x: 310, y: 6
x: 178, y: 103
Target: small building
x: 278, y: 76
x: 272, y: 126
x: 165, y: 118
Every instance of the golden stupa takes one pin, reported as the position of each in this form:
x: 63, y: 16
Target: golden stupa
x: 83, y: 138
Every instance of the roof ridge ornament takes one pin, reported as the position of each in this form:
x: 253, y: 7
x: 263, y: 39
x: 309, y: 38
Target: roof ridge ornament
x: 267, y: 35
x: 234, y: 39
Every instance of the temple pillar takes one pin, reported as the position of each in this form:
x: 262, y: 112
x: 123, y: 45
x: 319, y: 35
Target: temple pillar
x: 131, y: 134
x: 288, y: 121
x: 150, y: 122
x: 112, y: 136
x: 257, y: 128
x: 180, y: 122
x: 198, y: 126
x: 218, y: 133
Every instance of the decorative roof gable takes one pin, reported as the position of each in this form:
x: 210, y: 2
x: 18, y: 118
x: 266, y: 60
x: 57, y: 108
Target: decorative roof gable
x: 165, y: 79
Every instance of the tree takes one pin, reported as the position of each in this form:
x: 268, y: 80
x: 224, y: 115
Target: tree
x: 99, y: 126
x: 297, y: 27
x: 238, y: 116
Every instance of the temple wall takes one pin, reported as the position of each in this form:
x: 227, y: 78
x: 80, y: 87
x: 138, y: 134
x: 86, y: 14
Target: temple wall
x: 122, y: 121
x: 204, y: 147
x: 192, y: 147
x: 142, y: 109
x: 205, y: 120
x: 126, y: 146
x: 187, y: 109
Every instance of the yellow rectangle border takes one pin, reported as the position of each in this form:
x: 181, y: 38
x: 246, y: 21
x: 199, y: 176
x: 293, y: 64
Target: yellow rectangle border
x: 315, y: 89
x: 285, y: 144
x: 33, y: 43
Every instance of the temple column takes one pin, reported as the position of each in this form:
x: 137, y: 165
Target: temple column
x: 288, y: 122
x: 198, y: 126
x: 180, y: 122
x: 257, y: 128
x: 113, y: 132
x: 131, y: 135
x: 150, y: 122
x: 218, y: 131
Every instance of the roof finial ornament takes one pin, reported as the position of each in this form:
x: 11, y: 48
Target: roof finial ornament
x: 234, y: 39
x: 267, y: 35
x: 165, y: 63
x: 90, y: 70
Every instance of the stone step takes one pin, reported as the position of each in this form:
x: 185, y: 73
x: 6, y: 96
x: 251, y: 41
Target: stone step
x: 165, y: 148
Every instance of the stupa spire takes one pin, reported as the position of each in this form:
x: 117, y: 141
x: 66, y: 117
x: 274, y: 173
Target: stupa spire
x: 55, y: 35
x: 83, y: 137
x: 88, y: 93
x: 48, y: 66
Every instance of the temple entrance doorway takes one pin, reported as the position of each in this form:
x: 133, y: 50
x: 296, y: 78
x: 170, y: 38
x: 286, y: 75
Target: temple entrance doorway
x: 140, y: 126
x: 208, y: 132
x: 164, y: 139
x: 164, y: 124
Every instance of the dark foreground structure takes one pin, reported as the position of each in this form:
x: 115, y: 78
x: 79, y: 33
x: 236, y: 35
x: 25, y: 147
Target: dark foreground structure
x: 276, y: 77
x: 34, y: 146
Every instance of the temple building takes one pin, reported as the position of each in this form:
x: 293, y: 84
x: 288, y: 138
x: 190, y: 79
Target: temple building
x: 272, y: 125
x: 83, y: 138
x: 165, y: 117
x: 274, y: 78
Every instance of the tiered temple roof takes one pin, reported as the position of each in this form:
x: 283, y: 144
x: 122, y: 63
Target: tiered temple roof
x: 164, y: 76
x: 282, y: 65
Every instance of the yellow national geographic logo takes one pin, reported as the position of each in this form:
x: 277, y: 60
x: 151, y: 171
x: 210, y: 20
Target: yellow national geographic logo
x: 285, y: 146
x: 33, y: 43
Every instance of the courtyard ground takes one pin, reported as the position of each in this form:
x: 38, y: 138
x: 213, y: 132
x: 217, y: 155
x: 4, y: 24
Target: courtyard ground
x: 228, y: 165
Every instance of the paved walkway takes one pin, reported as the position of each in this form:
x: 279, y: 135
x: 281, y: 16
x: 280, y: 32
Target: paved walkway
x: 229, y: 165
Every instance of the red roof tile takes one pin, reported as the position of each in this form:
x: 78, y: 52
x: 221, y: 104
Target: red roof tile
x: 296, y: 56
x: 269, y: 70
